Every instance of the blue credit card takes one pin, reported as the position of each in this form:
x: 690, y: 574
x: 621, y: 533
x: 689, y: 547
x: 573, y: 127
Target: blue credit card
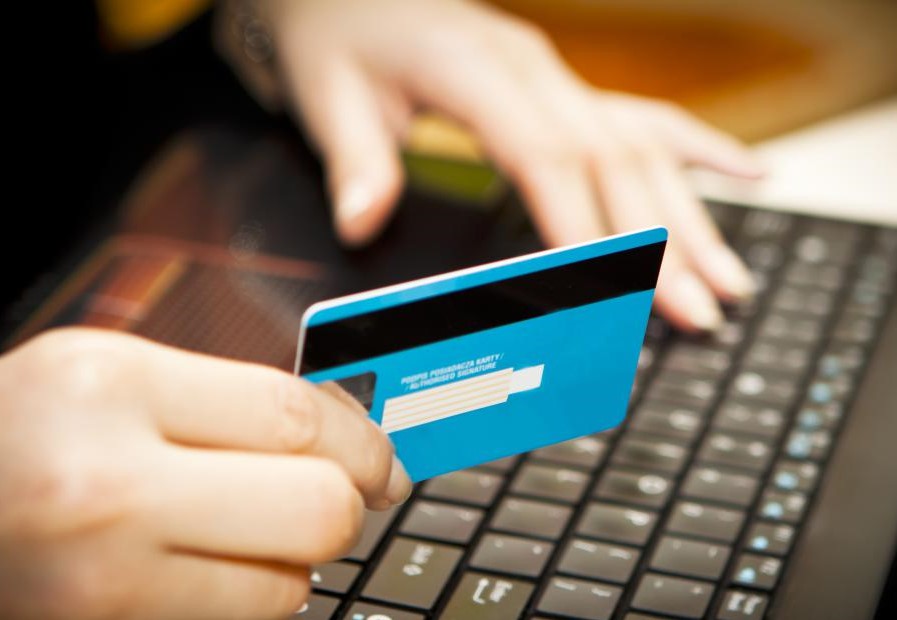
x: 478, y: 364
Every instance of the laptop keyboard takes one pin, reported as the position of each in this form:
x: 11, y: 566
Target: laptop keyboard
x: 689, y: 509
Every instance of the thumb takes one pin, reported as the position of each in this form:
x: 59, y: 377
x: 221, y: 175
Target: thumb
x: 342, y: 113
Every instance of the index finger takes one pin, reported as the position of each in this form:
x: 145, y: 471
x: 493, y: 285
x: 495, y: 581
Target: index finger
x: 205, y: 401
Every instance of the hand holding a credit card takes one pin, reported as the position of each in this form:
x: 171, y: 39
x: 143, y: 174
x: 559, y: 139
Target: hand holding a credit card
x: 134, y: 475
x: 483, y: 363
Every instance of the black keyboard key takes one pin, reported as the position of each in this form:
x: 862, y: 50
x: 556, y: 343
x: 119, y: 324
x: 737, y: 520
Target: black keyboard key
x: 840, y: 360
x: 742, y: 310
x: 644, y: 452
x: 532, y: 518
x: 790, y: 476
x: 412, y: 573
x: 759, y: 224
x: 703, y: 521
x: 785, y: 507
x: 727, y: 449
x: 632, y: 488
x: 601, y: 561
x: 789, y: 327
x: 694, y: 360
x: 782, y: 357
x: 484, y: 597
x: 715, y: 485
x: 885, y: 242
x: 727, y: 336
x: 375, y: 525
x: 441, y: 521
x: 878, y: 266
x: 555, y: 483
x: 829, y: 391
x: 511, y: 554
x: 770, y: 538
x: 803, y: 445
x: 769, y: 387
x: 877, y: 272
x: 683, y: 598
x: 811, y: 417
x: 738, y: 605
x: 831, y: 229
x: 764, y: 255
x: 690, y: 558
x: 369, y: 611
x: 867, y: 300
x: 678, y: 423
x: 617, y: 524
x: 750, y: 418
x: 683, y: 390
x: 470, y: 487
x: 812, y: 301
x: 318, y: 607
x: 757, y: 571
x: 825, y: 277
x: 584, y: 452
x: 579, y: 599
x: 335, y: 577
x: 816, y: 249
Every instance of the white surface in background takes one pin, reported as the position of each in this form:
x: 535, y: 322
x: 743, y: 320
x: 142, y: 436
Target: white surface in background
x: 845, y: 167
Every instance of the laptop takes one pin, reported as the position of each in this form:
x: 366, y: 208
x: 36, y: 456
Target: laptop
x: 754, y: 476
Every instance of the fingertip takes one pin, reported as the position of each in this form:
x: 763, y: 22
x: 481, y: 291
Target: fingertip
x: 351, y: 207
x: 687, y: 303
x: 735, y: 158
x: 709, y: 147
x: 730, y: 277
x: 362, y: 209
x: 399, y: 487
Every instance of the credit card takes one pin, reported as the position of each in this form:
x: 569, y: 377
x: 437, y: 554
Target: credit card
x: 482, y: 363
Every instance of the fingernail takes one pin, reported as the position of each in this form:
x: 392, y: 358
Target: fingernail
x: 705, y: 313
x: 398, y: 489
x: 354, y: 200
x: 738, y: 280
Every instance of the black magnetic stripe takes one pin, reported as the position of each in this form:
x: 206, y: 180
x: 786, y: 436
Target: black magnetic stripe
x: 481, y: 307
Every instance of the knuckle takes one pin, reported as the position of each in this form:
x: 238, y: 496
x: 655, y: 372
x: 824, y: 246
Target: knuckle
x: 83, y: 363
x: 299, y: 417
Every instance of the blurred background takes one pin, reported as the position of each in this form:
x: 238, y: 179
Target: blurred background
x: 99, y: 87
